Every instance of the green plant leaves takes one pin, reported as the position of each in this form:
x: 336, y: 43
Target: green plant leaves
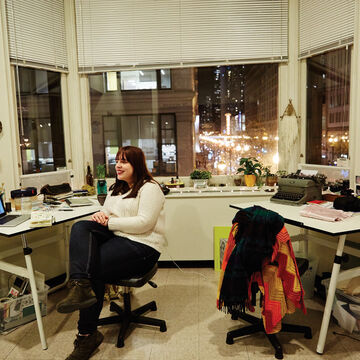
x: 200, y: 174
x: 250, y: 166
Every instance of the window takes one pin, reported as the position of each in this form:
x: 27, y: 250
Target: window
x: 328, y: 90
x: 145, y: 79
x: 237, y: 107
x: 40, y: 120
x: 231, y: 110
x: 143, y: 131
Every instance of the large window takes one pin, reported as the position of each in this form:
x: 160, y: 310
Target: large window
x: 237, y: 107
x: 328, y: 93
x: 211, y: 117
x: 40, y: 120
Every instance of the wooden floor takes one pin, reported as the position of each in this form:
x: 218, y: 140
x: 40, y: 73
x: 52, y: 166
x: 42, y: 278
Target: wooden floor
x: 196, y: 329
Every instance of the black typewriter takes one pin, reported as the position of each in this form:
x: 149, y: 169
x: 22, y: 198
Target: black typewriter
x: 297, y: 191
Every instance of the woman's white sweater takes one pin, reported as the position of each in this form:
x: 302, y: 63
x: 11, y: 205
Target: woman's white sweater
x: 140, y: 219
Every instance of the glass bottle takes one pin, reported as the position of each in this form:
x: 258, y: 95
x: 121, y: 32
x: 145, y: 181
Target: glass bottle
x: 89, y: 177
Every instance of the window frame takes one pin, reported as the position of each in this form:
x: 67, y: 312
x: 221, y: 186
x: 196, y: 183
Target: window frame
x: 64, y: 118
x: 158, y: 82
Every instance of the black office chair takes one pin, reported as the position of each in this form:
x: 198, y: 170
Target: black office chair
x: 126, y: 316
x: 257, y: 324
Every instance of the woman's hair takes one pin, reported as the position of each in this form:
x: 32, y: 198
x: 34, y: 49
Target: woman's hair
x: 136, y: 158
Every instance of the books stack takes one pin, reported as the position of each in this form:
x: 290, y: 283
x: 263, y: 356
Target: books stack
x: 75, y: 202
x: 41, y: 219
x: 60, y: 196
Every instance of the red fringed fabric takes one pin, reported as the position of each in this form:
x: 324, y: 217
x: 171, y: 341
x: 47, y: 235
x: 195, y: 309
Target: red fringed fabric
x: 280, y: 284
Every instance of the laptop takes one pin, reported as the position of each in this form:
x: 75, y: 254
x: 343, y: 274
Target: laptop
x: 10, y: 220
x: 75, y: 202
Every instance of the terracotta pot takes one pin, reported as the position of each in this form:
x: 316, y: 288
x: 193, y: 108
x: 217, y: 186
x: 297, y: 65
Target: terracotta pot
x: 271, y: 180
x: 238, y: 182
x: 250, y: 180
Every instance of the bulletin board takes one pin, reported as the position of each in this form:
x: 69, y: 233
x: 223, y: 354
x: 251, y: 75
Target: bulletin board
x: 221, y: 234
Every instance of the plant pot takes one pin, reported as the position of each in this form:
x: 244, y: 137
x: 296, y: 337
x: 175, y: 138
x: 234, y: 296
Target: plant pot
x: 238, y: 182
x: 250, y: 180
x: 271, y: 180
x: 200, y: 183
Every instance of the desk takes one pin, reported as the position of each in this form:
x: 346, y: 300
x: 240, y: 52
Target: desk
x: 28, y: 272
x: 339, y: 229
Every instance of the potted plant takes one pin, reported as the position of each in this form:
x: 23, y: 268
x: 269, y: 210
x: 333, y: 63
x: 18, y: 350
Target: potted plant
x: 251, y: 168
x: 281, y: 173
x: 200, y: 178
x: 270, y: 178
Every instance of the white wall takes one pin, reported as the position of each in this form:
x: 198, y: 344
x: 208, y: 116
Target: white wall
x: 77, y: 125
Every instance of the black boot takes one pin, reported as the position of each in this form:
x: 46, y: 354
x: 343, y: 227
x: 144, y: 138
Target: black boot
x: 80, y: 296
x: 84, y: 346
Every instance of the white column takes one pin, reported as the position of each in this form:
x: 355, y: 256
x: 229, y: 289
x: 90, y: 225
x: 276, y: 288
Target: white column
x: 289, y: 85
x: 76, y: 116
x: 9, y: 162
x: 354, y: 127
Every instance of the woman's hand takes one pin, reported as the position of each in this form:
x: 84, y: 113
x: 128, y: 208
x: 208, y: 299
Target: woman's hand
x: 100, y: 217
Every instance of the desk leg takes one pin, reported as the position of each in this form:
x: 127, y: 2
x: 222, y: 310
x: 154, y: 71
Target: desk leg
x: 30, y: 270
x: 330, y: 296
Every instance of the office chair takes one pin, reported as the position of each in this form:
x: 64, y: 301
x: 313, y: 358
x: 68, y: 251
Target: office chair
x: 257, y: 324
x: 126, y: 316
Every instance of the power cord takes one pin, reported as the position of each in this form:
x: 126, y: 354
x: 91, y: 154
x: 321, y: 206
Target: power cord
x: 346, y: 335
x: 185, y: 272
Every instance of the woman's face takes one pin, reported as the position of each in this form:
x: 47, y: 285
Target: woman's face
x: 124, y: 171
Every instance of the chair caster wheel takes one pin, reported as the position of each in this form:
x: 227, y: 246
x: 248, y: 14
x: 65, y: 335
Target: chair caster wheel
x: 120, y: 344
x: 279, y: 355
x: 163, y: 327
x: 153, y: 306
x: 112, y: 307
x: 229, y: 340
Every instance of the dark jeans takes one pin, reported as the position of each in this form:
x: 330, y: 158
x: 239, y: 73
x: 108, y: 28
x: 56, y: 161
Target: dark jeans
x: 97, y: 254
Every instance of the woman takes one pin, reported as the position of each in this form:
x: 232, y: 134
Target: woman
x: 122, y: 240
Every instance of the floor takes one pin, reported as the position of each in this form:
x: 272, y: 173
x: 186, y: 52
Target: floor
x: 196, y: 329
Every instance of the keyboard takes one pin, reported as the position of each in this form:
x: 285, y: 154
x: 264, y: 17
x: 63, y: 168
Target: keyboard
x: 8, y: 218
x: 289, y: 196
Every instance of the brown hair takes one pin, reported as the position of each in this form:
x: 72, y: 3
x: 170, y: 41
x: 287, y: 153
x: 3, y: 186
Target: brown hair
x: 135, y: 156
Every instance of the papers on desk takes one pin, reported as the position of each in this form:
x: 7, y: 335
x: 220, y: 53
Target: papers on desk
x: 320, y: 212
x: 41, y: 219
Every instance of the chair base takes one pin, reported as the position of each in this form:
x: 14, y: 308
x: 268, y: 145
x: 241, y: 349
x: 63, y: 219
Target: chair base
x: 125, y: 317
x: 258, y: 326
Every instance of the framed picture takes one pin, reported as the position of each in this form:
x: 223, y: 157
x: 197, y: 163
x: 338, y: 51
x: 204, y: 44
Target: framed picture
x: 221, y: 234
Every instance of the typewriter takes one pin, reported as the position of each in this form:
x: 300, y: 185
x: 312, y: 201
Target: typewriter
x: 297, y: 191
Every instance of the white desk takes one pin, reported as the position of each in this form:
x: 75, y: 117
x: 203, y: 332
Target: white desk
x: 339, y: 229
x: 28, y: 272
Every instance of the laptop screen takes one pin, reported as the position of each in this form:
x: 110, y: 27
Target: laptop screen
x: 2, y: 209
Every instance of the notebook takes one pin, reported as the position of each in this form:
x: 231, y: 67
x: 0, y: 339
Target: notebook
x: 10, y: 220
x: 74, y: 202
